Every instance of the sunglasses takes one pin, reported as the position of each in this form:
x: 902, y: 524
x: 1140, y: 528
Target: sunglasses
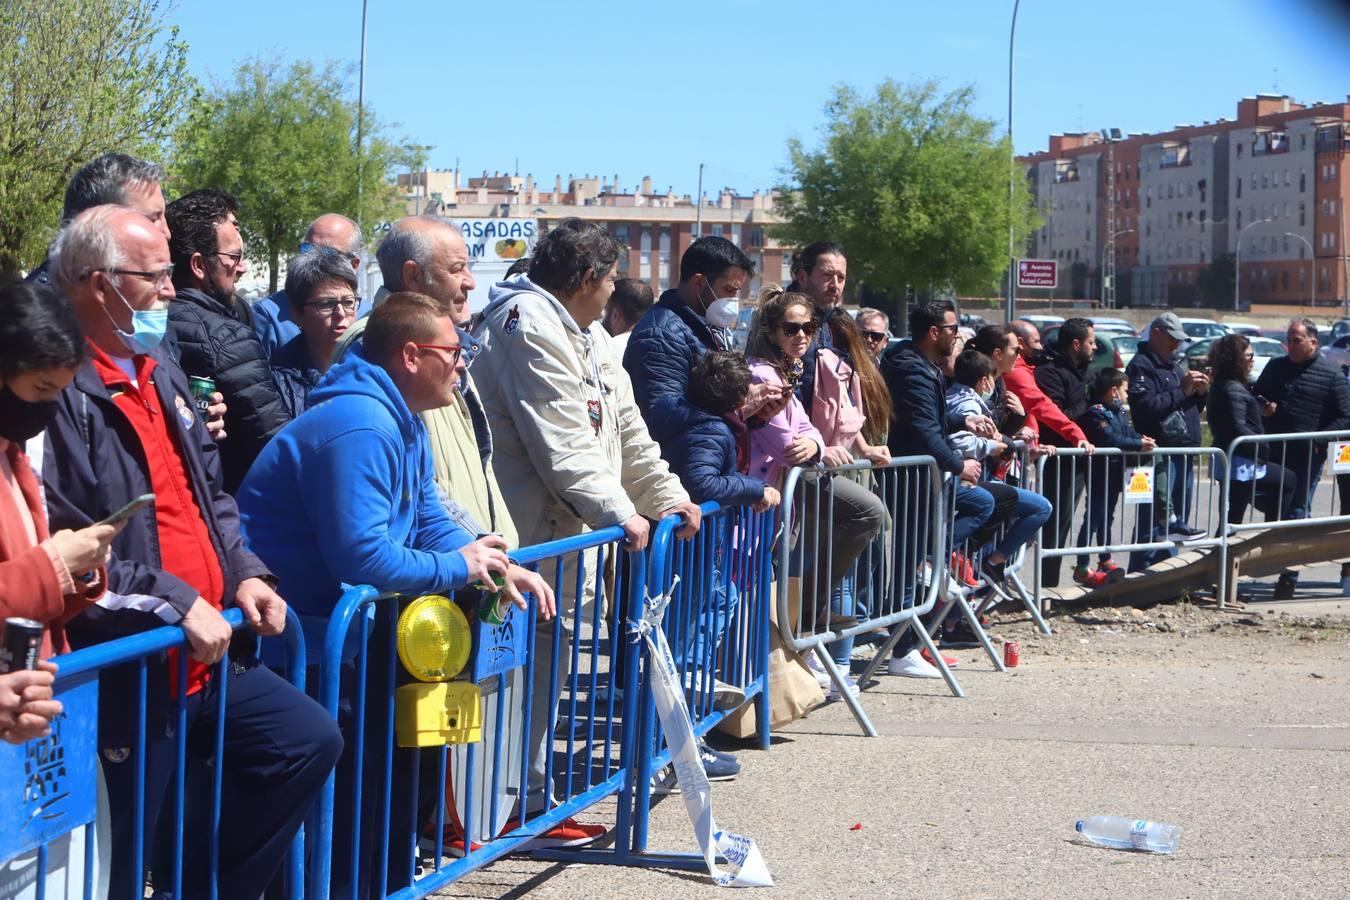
x: 875, y: 336
x: 792, y: 329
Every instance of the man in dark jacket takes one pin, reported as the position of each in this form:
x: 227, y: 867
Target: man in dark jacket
x: 686, y: 322
x: 1309, y: 393
x: 920, y: 428
x: 126, y: 427
x: 1061, y: 375
x: 1165, y: 404
x: 212, y: 331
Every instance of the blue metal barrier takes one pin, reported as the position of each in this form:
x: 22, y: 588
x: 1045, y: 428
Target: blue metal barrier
x: 717, y: 626
x: 555, y: 743
x: 80, y: 670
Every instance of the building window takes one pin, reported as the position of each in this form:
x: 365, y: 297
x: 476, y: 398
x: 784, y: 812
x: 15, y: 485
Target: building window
x: 1239, y: 188
x: 715, y: 231
x: 1239, y: 150
x: 757, y: 237
x: 1302, y: 213
x: 1265, y: 180
x: 1302, y: 180
x: 1286, y: 177
x: 1238, y: 223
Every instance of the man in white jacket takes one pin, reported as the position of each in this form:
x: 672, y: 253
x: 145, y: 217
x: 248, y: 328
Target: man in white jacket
x: 572, y: 452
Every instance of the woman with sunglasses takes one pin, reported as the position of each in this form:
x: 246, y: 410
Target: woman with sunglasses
x: 1234, y: 410
x: 780, y: 334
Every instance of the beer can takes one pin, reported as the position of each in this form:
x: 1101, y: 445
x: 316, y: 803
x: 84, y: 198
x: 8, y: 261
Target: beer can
x: 1012, y: 654
x: 21, y: 646
x: 202, y: 388
x: 494, y: 607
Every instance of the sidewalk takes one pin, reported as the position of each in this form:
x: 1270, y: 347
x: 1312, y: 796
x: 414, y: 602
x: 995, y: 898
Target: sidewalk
x: 1233, y: 725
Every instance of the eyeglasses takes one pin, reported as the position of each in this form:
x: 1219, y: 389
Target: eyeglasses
x: 452, y: 349
x: 875, y: 337
x: 157, y: 277
x: 232, y: 257
x: 792, y: 329
x: 954, y: 328
x: 326, y: 305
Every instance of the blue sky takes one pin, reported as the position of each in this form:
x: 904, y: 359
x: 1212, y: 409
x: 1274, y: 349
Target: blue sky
x: 654, y: 89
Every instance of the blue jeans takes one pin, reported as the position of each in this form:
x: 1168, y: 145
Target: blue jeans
x: 974, y: 506
x: 1032, y: 511
x: 844, y: 602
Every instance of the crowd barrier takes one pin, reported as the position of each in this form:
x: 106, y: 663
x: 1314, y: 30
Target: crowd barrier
x: 1112, y: 501
x: 1293, y: 480
x: 555, y: 718
x: 538, y: 733
x: 892, y: 583
x: 61, y: 788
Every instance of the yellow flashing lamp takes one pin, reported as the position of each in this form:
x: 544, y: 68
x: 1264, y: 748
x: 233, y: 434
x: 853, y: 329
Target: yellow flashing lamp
x: 433, y: 715
x: 433, y: 639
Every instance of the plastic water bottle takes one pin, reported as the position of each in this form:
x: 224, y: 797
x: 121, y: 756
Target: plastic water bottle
x: 1130, y: 834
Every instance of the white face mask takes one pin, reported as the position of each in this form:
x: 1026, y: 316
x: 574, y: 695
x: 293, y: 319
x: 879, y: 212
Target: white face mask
x: 722, y: 312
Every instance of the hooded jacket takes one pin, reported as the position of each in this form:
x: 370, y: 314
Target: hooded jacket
x: 211, y: 340
x: 704, y: 458
x: 572, y: 451
x: 1042, y: 413
x: 662, y: 350
x: 344, y: 496
x: 920, y: 424
x: 963, y: 401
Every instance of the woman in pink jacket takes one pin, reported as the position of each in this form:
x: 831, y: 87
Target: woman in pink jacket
x: 780, y: 334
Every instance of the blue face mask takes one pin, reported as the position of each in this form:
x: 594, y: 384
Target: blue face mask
x: 147, y: 326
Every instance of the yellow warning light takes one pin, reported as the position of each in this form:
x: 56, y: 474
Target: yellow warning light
x: 433, y: 639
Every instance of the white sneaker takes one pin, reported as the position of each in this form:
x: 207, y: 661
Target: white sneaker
x: 852, y: 688
x: 818, y: 669
x: 913, y: 665
x: 727, y: 696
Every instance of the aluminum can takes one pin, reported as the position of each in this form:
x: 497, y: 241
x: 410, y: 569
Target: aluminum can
x: 1012, y: 654
x: 202, y: 388
x: 22, y: 644
x: 494, y: 607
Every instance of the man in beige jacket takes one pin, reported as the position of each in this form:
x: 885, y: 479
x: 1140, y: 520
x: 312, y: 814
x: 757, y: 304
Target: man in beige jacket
x: 572, y: 451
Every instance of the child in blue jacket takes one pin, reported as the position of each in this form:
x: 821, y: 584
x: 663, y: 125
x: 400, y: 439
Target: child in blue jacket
x: 1106, y: 424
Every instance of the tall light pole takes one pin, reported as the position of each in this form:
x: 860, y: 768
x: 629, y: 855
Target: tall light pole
x: 1012, y: 172
x: 1312, y: 264
x: 698, y: 206
x: 1237, y: 263
x: 360, y: 112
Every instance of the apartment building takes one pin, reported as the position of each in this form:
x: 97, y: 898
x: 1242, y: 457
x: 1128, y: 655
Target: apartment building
x: 1262, y: 194
x: 656, y: 226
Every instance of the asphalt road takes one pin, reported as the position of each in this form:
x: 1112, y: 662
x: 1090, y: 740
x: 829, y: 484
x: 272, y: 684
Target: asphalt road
x: 1234, y: 726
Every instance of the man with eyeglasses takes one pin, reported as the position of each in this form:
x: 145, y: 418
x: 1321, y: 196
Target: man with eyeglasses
x: 211, y: 330
x: 321, y: 290
x: 273, y: 317
x: 126, y: 426
x: 875, y: 326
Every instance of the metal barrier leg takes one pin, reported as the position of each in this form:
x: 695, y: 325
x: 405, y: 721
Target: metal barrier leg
x: 1033, y: 608
x: 841, y: 684
x: 947, y: 676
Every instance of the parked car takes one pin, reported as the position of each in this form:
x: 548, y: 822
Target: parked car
x: 1250, y: 329
x: 1198, y: 329
x: 1112, y: 326
x: 1127, y: 345
x: 1339, y: 351
x: 1340, y: 328
x: 971, y: 321
x: 1106, y: 357
x: 1263, y: 349
x: 1042, y: 322
x: 1275, y: 334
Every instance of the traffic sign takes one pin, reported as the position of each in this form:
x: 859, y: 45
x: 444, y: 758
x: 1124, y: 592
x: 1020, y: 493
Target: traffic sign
x: 1037, y: 273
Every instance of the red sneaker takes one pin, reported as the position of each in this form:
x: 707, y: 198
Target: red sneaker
x: 567, y: 833
x: 452, y: 842
x: 951, y: 661
x: 963, y: 571
x: 1089, y: 578
x: 1114, y: 573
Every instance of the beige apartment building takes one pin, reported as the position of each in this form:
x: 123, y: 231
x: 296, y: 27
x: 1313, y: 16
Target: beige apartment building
x: 1264, y: 193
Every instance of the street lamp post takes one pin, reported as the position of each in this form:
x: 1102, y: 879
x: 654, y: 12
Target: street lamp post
x: 1012, y: 173
x: 360, y: 113
x: 1312, y: 264
x: 1237, y: 264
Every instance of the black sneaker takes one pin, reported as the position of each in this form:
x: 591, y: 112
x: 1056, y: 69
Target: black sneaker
x: 1285, y: 587
x: 995, y: 572
x: 1181, y: 532
x: 958, y: 636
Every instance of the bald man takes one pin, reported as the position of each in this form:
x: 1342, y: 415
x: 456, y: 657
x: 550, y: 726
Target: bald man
x: 272, y: 315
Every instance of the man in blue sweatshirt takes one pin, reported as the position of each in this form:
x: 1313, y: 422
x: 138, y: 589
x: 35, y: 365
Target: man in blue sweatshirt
x: 344, y: 495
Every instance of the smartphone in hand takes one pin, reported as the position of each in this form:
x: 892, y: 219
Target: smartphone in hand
x: 129, y: 510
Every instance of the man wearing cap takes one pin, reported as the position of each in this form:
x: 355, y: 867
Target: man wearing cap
x: 1165, y: 403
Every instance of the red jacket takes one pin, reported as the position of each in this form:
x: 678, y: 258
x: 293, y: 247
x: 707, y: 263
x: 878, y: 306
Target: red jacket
x: 1042, y: 413
x: 33, y: 578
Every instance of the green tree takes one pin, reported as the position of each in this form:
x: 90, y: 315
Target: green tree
x: 79, y: 78
x: 912, y: 184
x: 283, y: 140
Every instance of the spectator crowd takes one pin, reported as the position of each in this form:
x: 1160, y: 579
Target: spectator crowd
x: 403, y: 442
